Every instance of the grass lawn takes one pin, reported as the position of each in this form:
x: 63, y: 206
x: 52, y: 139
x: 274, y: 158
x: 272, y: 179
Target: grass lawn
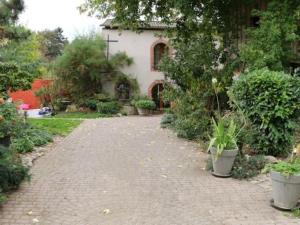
x: 56, y: 126
x: 79, y: 115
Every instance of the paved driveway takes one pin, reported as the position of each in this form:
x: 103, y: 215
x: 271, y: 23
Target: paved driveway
x: 128, y: 171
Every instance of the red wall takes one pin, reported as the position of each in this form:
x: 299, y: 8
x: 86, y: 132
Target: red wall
x: 28, y: 97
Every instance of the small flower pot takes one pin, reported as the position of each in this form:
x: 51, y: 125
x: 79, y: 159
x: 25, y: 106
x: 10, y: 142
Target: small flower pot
x: 130, y: 110
x: 5, y: 141
x: 285, y: 190
x: 222, y: 165
x: 144, y: 112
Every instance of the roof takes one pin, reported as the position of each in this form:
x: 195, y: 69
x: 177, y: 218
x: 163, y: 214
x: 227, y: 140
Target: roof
x: 153, y: 25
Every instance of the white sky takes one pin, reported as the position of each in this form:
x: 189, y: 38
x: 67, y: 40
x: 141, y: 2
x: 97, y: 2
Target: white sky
x: 50, y: 14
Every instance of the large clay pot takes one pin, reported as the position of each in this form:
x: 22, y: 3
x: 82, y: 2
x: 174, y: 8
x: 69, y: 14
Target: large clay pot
x: 222, y: 164
x: 144, y: 112
x: 285, y: 190
x: 130, y: 110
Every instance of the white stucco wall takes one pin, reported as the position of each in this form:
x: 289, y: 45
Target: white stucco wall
x: 138, y: 47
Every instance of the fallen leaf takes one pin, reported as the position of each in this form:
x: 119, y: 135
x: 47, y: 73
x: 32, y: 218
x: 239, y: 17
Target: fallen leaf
x: 35, y: 220
x: 106, y: 211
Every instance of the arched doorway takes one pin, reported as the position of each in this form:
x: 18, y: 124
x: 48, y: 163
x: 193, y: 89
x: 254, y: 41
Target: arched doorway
x: 155, y: 92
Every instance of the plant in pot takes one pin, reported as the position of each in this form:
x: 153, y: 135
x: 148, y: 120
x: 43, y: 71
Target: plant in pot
x: 145, y: 106
x: 285, y: 176
x: 223, y: 147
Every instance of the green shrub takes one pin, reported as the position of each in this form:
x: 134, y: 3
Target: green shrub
x: 38, y: 137
x: 145, y: 104
x: 91, y: 104
x: 191, y: 128
x: 109, y: 108
x: 29, y: 136
x: 246, y: 167
x: 11, y: 175
x: 271, y: 102
x: 167, y: 120
x: 192, y: 120
x: 22, y: 145
x: 10, y: 122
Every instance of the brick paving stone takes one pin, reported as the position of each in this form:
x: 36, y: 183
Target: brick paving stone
x: 128, y: 171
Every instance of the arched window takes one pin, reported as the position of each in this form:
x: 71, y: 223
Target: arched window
x: 158, y: 52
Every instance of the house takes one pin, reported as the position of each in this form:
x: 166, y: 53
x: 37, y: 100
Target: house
x: 146, y: 47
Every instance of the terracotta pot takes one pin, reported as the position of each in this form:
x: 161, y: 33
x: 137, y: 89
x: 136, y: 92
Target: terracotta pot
x: 130, y: 110
x: 144, y: 112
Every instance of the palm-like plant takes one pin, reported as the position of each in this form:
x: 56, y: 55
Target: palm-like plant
x: 224, y: 137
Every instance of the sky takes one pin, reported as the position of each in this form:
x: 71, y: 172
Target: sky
x: 50, y: 14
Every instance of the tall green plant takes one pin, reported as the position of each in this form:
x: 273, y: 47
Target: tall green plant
x: 83, y: 67
x: 223, y: 138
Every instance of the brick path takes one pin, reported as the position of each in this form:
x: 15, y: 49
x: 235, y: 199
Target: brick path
x: 127, y: 171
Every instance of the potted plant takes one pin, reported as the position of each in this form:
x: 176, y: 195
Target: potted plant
x: 285, y: 176
x: 223, y: 147
x: 145, y: 106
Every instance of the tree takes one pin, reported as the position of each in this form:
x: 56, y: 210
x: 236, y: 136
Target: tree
x: 10, y: 10
x: 269, y: 44
x: 12, y: 78
x: 52, y: 43
x: 83, y: 66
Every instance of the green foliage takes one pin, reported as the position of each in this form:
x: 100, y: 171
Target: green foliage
x: 38, y: 137
x: 12, y: 172
x: 271, y: 101
x: 192, y: 120
x: 289, y: 168
x: 108, y: 108
x: 248, y: 166
x: 13, y: 78
x: 10, y: 120
x: 25, y: 53
x: 52, y: 43
x: 145, y: 104
x: 83, y: 66
x: 223, y: 138
x: 167, y: 120
x: 10, y: 10
x: 92, y: 104
x: 11, y: 175
x: 296, y: 213
x: 22, y: 145
x: 269, y: 44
